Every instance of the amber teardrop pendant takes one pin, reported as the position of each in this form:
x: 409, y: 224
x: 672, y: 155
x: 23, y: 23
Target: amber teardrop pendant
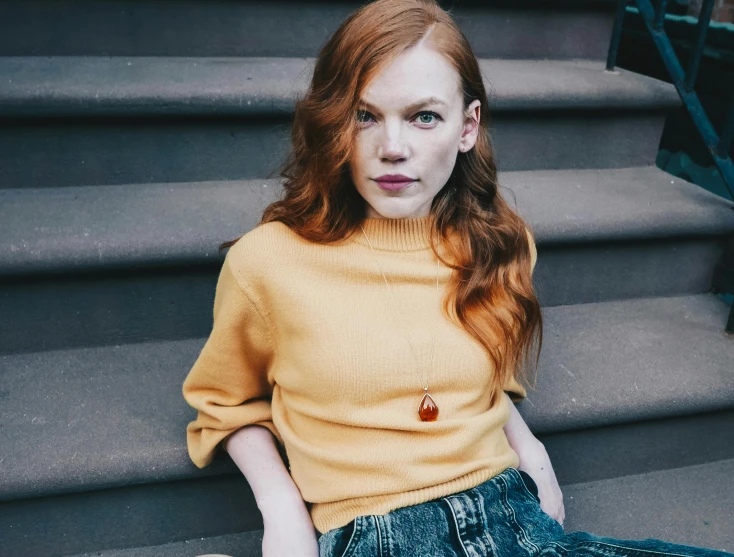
x: 428, y: 410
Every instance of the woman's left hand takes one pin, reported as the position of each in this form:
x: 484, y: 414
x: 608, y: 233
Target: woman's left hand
x: 536, y: 462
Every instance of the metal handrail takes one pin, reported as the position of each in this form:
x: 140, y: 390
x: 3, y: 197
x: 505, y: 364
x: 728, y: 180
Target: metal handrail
x: 684, y: 81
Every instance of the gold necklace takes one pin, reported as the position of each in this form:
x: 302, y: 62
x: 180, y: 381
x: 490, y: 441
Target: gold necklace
x: 427, y: 409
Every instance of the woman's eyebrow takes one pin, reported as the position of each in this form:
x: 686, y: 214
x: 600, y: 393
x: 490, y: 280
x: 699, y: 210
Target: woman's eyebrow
x: 414, y: 106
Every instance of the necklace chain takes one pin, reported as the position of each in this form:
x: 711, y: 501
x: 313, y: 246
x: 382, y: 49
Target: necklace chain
x: 433, y: 331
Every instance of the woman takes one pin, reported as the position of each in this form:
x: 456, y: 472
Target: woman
x: 376, y: 324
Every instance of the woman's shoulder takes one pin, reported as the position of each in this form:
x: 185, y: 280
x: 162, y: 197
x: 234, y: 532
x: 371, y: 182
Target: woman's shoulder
x: 265, y: 239
x: 262, y: 248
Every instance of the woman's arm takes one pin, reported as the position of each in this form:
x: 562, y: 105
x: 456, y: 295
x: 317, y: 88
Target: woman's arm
x: 288, y: 526
x: 535, y: 461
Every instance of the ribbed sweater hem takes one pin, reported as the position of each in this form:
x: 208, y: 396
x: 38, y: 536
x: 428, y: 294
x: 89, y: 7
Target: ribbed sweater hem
x: 327, y: 516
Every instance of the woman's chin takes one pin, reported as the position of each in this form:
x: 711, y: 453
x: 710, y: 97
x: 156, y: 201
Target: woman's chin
x: 397, y: 209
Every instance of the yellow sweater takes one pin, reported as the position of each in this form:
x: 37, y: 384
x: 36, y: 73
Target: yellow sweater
x: 307, y: 343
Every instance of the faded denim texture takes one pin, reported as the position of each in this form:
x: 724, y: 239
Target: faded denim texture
x: 500, y: 518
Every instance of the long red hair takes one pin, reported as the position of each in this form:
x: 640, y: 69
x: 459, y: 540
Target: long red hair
x: 491, y: 291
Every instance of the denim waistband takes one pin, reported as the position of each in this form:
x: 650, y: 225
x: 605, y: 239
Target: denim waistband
x: 434, y: 525
x: 501, y: 517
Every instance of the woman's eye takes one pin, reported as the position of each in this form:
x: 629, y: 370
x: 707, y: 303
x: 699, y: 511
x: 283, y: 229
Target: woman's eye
x: 363, y: 115
x: 423, y: 115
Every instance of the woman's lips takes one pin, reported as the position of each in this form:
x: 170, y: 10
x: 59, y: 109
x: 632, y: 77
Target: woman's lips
x: 392, y: 185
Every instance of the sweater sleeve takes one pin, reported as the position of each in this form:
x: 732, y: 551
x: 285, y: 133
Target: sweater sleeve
x: 516, y: 391
x: 228, y: 383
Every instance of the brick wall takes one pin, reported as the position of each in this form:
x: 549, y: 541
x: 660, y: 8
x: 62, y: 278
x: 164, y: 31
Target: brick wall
x: 723, y: 10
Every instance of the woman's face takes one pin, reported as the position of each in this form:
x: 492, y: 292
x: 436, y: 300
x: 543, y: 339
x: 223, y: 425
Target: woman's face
x: 400, y: 134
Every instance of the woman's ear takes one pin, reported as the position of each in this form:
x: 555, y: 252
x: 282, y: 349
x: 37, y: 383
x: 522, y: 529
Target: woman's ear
x: 471, y: 126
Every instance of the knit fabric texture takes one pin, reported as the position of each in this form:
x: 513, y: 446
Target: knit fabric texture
x: 307, y: 342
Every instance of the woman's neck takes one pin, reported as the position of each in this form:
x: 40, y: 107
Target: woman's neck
x: 400, y: 234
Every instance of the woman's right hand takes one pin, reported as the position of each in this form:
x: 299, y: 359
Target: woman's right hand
x: 289, y: 531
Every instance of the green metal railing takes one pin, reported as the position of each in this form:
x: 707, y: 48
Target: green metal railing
x: 684, y: 80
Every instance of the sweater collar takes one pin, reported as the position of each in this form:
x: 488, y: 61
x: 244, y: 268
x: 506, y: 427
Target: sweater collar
x: 401, y: 234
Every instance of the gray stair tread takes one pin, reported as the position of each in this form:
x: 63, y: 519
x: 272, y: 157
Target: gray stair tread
x: 497, y: 28
x: 112, y: 416
x: 691, y: 506
x: 103, y: 227
x: 631, y: 360
x: 223, y: 86
x: 246, y: 544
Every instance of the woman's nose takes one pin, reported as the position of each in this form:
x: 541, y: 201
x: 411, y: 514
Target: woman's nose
x: 392, y: 144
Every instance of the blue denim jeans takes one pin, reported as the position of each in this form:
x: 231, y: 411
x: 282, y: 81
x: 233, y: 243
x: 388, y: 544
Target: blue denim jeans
x: 500, y: 518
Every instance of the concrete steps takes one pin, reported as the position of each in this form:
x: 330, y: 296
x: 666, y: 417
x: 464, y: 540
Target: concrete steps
x: 76, y: 121
x: 92, y: 266
x: 86, y: 87
x: 109, y: 420
x: 138, y: 136
x: 691, y: 506
x: 497, y: 29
